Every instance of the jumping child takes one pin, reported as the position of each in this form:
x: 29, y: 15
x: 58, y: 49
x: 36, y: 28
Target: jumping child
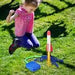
x: 24, y: 19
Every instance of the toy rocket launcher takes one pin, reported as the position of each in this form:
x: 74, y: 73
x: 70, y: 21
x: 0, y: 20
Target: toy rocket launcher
x: 48, y: 48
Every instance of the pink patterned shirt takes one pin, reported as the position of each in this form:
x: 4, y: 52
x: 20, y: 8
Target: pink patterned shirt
x: 24, y: 22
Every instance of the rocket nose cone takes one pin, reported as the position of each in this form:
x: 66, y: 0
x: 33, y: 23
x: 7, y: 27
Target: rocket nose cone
x: 48, y: 33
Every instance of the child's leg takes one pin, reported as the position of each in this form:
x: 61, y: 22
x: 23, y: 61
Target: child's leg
x: 20, y: 42
x: 34, y: 40
x: 25, y: 42
x: 14, y: 45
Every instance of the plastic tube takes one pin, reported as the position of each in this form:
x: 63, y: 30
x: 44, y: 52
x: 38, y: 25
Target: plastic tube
x: 26, y: 60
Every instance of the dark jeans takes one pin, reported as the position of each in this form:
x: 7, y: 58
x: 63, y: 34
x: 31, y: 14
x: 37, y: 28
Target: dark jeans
x: 29, y: 40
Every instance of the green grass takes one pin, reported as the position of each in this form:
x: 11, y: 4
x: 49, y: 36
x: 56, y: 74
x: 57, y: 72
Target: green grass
x: 58, y: 16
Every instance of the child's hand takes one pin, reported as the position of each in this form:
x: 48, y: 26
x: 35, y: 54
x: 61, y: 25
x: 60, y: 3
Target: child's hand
x: 11, y: 12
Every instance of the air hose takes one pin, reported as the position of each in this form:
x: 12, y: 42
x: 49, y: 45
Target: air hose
x: 26, y: 59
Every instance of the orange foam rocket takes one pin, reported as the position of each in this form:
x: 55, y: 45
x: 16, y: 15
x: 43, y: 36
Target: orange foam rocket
x: 48, y: 48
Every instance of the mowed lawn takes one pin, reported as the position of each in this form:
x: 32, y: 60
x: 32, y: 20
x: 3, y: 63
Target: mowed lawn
x: 58, y: 16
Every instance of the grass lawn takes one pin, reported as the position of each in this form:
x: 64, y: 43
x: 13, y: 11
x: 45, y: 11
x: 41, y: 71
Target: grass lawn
x: 58, y: 16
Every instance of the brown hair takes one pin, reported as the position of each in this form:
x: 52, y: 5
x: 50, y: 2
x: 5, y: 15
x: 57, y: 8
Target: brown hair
x: 34, y: 3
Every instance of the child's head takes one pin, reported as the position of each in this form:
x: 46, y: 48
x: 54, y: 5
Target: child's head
x: 34, y: 3
x: 31, y: 5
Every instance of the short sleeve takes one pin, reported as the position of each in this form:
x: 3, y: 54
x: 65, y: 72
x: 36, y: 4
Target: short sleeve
x: 18, y: 11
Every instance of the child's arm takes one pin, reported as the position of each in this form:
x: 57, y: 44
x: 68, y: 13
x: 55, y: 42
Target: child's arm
x: 11, y: 17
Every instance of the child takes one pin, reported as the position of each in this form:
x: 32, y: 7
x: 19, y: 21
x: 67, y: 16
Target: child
x: 24, y: 18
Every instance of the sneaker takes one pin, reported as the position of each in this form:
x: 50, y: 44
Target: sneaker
x: 13, y: 47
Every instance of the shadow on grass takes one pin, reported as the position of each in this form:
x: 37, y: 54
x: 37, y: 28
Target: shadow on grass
x: 9, y: 29
x: 37, y: 50
x: 68, y: 3
x: 57, y: 10
x: 4, y: 10
x: 57, y: 30
x: 68, y: 65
